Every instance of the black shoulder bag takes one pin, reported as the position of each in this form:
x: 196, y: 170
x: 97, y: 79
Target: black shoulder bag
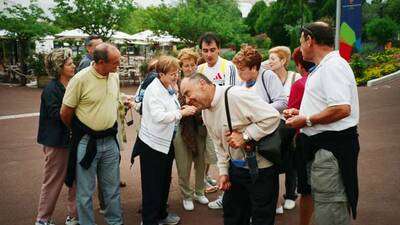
x: 268, y: 147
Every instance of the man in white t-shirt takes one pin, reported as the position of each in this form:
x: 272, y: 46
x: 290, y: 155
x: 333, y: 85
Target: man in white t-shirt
x: 328, y: 118
x: 217, y: 69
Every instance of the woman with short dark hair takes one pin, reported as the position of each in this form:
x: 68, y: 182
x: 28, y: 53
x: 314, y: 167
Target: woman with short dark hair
x: 264, y: 82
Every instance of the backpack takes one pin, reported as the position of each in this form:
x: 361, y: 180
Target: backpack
x: 142, y: 88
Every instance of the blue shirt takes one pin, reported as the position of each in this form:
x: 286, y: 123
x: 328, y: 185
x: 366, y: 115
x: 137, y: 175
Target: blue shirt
x: 85, y: 62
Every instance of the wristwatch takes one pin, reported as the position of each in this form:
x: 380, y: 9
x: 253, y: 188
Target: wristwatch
x: 308, y: 122
x: 246, y: 137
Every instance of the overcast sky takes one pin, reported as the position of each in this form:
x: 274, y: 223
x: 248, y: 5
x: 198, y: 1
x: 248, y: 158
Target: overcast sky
x: 46, y: 4
x: 49, y: 3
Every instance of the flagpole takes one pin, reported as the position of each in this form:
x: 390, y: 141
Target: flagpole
x: 338, y: 14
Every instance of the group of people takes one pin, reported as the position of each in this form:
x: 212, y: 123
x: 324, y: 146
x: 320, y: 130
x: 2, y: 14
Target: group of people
x: 202, y: 114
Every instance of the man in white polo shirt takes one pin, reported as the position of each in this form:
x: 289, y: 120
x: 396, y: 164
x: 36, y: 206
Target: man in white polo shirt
x: 328, y: 118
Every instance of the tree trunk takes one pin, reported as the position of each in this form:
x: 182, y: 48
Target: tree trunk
x: 24, y: 50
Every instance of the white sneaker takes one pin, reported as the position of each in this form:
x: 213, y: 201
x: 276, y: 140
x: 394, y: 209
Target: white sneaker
x: 49, y: 222
x: 188, y: 204
x: 71, y: 221
x: 217, y: 204
x: 102, y: 211
x: 171, y: 219
x: 201, y: 199
x: 279, y: 210
x: 289, y: 204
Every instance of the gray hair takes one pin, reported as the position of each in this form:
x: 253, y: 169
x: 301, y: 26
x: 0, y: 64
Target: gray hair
x: 196, y: 77
x: 55, y: 61
x: 100, y: 54
x: 102, y: 51
x: 88, y: 40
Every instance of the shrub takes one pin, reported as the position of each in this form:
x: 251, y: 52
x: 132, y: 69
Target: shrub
x: 381, y: 30
x: 358, y: 64
x: 368, y: 48
x: 375, y: 65
x: 388, y: 69
x: 264, y: 53
x: 228, y: 55
x: 36, y: 64
x: 263, y: 41
x: 143, y: 68
x: 372, y: 73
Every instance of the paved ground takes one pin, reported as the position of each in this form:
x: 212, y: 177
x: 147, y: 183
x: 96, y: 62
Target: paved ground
x: 21, y: 162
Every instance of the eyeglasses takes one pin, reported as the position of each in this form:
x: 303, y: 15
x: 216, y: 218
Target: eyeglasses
x: 175, y: 73
x: 306, y: 31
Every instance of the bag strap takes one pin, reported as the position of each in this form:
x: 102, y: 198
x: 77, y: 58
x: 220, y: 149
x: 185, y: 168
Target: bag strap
x: 265, y: 87
x: 228, y: 115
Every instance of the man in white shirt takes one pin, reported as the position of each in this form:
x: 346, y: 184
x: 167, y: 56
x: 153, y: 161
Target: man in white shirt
x: 328, y: 118
x: 217, y: 69
x: 252, y: 118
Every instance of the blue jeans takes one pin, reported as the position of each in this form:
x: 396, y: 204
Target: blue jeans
x: 106, y: 164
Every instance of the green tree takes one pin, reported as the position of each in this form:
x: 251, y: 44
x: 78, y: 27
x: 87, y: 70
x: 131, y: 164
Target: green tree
x: 274, y: 18
x: 379, y: 9
x: 189, y: 19
x: 137, y: 21
x: 25, y: 24
x: 253, y: 15
x: 381, y: 30
x: 322, y: 9
x: 294, y: 34
x: 392, y: 10
x: 98, y: 17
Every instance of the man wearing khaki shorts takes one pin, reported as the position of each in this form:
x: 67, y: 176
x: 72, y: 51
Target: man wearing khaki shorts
x: 328, y: 118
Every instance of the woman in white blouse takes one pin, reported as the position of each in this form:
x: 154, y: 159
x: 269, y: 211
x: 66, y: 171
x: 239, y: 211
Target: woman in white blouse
x: 279, y: 59
x: 161, y: 113
x: 264, y: 82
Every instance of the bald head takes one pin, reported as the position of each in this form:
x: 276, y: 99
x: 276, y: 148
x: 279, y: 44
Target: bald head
x: 104, y: 51
x: 197, y: 77
x: 106, y: 57
x: 321, y: 23
x: 198, y: 90
x: 321, y: 32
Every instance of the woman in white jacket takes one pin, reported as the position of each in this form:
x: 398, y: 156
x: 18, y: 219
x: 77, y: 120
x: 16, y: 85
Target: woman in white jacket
x: 161, y: 113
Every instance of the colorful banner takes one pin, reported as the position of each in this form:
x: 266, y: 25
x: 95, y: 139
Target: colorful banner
x: 350, y: 28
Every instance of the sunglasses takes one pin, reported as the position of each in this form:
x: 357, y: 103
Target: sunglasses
x: 306, y: 31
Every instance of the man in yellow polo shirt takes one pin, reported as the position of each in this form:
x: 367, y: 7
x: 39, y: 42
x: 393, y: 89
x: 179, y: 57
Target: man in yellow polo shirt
x: 90, y: 108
